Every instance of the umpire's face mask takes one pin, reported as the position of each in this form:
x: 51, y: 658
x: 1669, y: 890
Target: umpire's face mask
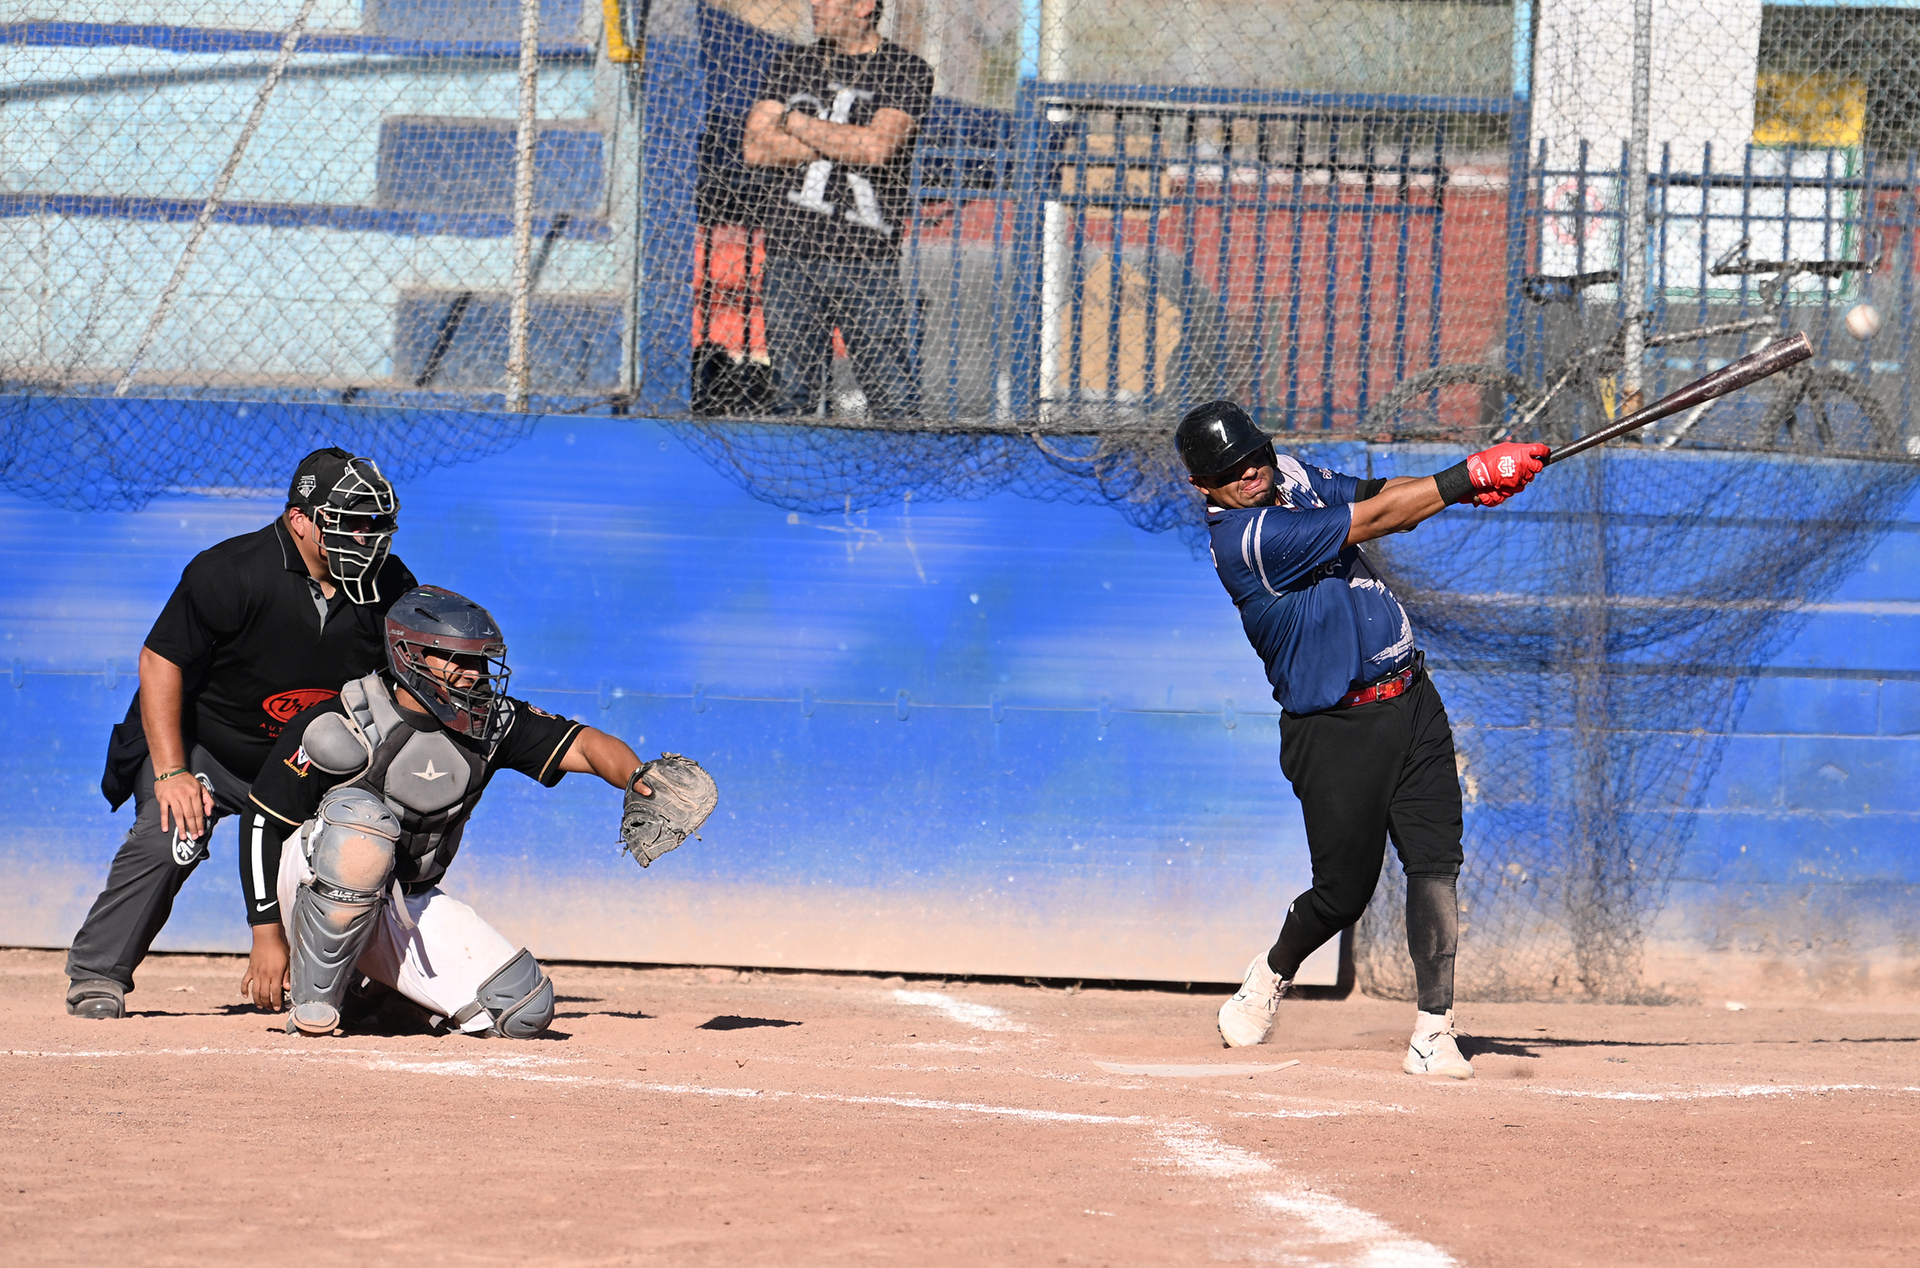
x: 357, y: 521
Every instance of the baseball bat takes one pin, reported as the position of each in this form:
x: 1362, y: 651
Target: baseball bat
x: 1731, y: 377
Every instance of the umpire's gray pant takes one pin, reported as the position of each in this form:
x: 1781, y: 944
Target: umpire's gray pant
x: 147, y: 873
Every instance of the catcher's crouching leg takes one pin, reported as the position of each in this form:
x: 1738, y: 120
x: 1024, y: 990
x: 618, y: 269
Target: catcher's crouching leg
x: 350, y: 851
x: 518, y: 996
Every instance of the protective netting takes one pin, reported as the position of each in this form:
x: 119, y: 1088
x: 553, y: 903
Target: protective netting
x: 951, y: 248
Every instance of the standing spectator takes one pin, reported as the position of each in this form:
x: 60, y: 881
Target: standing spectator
x: 839, y: 115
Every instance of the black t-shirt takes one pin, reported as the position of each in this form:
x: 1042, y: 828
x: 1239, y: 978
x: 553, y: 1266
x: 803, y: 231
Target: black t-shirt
x: 844, y: 211
x: 245, y: 630
x: 289, y: 787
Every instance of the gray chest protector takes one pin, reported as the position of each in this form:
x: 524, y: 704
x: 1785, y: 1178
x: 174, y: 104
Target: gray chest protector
x: 431, y: 782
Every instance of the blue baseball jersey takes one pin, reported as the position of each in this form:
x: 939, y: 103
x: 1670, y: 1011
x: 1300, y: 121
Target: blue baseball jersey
x: 1312, y: 607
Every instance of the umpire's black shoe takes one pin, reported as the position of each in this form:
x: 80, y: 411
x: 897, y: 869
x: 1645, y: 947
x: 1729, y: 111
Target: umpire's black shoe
x: 97, y: 999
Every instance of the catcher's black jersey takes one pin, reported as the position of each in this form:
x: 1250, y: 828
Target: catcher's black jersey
x: 290, y: 787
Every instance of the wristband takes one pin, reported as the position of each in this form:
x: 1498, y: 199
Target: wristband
x: 1454, y: 483
x: 170, y: 774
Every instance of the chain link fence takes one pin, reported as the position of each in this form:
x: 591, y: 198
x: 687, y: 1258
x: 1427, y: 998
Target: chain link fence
x: 1392, y: 228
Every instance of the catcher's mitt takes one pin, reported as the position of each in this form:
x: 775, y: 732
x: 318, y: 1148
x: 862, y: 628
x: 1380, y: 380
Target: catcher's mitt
x: 683, y: 796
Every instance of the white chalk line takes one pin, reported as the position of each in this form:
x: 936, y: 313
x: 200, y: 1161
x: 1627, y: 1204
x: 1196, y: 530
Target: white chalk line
x: 1331, y: 1221
x: 979, y: 1016
x: 1190, y: 1147
x: 1717, y: 1093
x: 1214, y: 1070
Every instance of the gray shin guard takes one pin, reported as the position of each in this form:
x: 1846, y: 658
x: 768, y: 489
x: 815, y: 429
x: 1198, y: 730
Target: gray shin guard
x: 519, y: 998
x: 1433, y: 938
x: 350, y: 851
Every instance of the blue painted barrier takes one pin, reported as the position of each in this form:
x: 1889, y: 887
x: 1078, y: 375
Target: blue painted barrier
x: 983, y: 737
x: 992, y: 737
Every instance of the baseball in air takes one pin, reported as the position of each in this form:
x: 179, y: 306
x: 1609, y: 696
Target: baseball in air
x: 1863, y: 321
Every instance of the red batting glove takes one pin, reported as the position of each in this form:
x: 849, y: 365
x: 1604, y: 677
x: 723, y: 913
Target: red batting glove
x: 1504, y: 469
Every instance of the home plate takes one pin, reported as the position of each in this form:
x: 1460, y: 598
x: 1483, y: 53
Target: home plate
x: 1189, y: 1071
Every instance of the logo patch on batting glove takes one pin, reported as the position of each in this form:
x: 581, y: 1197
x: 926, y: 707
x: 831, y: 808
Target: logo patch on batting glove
x: 1507, y: 467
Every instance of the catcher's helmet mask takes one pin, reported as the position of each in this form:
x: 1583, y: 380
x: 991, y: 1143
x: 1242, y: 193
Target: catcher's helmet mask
x: 357, y: 512
x: 467, y: 689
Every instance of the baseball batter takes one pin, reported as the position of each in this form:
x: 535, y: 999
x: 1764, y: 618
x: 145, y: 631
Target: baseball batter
x: 260, y: 627
x: 370, y: 792
x: 1364, y: 738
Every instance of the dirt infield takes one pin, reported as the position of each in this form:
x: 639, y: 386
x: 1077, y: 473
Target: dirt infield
x: 687, y: 1116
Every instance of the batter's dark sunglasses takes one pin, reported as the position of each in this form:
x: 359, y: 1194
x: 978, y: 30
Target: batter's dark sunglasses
x: 1261, y: 457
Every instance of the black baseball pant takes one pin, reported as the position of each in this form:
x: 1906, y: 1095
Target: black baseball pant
x: 147, y: 875
x: 1365, y: 775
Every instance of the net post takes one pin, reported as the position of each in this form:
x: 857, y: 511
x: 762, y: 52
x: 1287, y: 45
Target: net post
x: 202, y: 222
x: 1633, y: 237
x: 525, y: 140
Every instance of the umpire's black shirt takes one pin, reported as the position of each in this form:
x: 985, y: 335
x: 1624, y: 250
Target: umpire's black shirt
x: 245, y: 627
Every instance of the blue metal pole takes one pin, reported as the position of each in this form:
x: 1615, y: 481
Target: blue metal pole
x: 1896, y: 258
x: 1402, y: 249
x: 1263, y: 156
x: 1188, y: 230
x: 1330, y: 320
x: 1296, y: 255
x: 1150, y: 371
x: 1519, y: 117
x: 1439, y: 241
x: 1028, y: 230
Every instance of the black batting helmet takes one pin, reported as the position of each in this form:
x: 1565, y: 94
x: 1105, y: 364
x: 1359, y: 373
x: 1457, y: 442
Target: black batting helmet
x: 1215, y: 436
x: 471, y: 696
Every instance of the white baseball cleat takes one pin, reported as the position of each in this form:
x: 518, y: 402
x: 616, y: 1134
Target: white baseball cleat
x: 1433, y: 1050
x: 1248, y: 1016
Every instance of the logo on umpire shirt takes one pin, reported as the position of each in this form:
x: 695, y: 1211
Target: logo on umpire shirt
x: 307, y: 485
x: 288, y: 705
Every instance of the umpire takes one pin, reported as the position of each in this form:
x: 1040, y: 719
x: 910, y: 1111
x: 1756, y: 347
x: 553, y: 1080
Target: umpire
x: 260, y: 627
x: 1364, y: 738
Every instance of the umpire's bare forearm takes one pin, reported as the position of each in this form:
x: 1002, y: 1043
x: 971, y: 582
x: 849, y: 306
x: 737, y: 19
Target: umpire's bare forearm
x: 594, y: 752
x: 162, y: 692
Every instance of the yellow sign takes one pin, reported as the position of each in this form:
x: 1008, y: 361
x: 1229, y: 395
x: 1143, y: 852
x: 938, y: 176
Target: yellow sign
x: 618, y: 50
x: 1816, y: 111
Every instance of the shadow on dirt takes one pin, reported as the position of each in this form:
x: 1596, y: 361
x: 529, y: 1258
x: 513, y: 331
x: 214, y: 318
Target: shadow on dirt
x: 1511, y: 1046
x: 742, y: 1023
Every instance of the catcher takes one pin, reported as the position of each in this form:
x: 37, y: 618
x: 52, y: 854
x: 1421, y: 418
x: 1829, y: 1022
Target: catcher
x: 372, y: 791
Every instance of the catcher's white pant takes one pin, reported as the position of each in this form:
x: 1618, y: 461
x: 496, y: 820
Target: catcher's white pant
x: 439, y: 964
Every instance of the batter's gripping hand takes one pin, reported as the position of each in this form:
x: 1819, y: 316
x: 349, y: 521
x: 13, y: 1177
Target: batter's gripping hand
x: 1502, y: 471
x: 683, y: 796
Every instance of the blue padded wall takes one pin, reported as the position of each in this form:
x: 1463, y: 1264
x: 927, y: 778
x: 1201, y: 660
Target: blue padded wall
x: 986, y: 737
